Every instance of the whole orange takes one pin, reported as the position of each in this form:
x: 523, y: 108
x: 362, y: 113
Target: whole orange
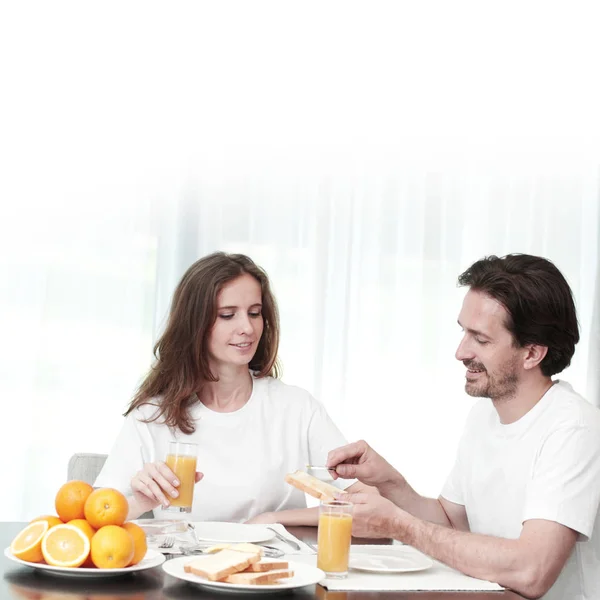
x: 70, y: 500
x: 50, y: 519
x: 89, y: 531
x: 112, y: 547
x: 106, y: 506
x: 139, y: 542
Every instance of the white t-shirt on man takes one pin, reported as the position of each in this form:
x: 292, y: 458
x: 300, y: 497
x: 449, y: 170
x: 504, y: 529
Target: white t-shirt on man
x: 244, y: 455
x: 546, y: 466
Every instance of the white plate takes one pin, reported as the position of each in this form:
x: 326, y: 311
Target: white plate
x: 303, y: 575
x: 215, y: 531
x: 380, y: 563
x: 151, y: 560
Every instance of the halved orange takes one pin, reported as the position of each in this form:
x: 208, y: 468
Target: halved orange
x: 65, y: 546
x: 27, y: 544
x: 89, y: 531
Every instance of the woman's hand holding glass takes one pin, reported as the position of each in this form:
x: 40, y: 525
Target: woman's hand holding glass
x: 155, y: 484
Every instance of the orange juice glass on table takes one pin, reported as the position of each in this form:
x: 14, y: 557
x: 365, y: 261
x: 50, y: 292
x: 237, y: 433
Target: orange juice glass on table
x: 334, y: 537
x: 181, y: 459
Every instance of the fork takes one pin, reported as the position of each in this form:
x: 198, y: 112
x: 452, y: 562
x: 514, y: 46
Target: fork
x: 168, y: 542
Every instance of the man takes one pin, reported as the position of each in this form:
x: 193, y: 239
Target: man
x: 520, y: 506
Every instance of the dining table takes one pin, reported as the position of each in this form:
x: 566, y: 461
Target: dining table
x: 22, y: 582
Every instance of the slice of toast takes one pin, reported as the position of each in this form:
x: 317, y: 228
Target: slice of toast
x: 217, y: 548
x: 267, y: 578
x: 246, y: 547
x: 266, y: 565
x: 313, y: 486
x: 215, y: 567
x: 243, y: 547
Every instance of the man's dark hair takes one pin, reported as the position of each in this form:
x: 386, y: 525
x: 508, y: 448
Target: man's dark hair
x: 538, y: 299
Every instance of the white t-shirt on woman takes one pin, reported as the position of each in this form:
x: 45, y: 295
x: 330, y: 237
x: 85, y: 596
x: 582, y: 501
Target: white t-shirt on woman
x: 244, y: 455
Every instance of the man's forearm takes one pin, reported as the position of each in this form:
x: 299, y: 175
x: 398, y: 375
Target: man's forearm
x: 404, y: 496
x: 484, y: 557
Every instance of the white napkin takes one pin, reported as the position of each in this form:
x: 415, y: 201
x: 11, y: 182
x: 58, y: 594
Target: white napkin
x: 181, y: 539
x: 438, y: 577
x: 186, y: 539
x: 277, y: 543
x: 157, y: 530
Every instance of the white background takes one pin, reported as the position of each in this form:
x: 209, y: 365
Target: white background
x: 364, y: 154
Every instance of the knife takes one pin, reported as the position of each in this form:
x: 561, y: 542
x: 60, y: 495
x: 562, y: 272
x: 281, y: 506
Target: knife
x: 281, y: 538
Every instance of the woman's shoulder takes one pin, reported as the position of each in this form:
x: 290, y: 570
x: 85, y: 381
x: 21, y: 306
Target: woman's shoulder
x: 148, y: 410
x: 278, y: 391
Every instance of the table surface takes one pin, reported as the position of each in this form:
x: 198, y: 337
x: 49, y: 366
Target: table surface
x: 154, y: 584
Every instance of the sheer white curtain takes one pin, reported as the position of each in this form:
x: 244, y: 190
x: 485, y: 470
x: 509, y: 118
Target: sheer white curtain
x: 364, y: 266
x: 363, y: 156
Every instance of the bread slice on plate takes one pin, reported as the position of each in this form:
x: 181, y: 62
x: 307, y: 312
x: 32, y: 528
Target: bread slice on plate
x: 243, y: 547
x: 216, y: 567
x: 217, y: 548
x: 312, y: 486
x: 267, y: 578
x: 266, y: 565
x: 246, y: 547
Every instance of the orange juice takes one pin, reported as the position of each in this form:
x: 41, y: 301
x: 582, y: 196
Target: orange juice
x: 335, y: 535
x: 185, y: 469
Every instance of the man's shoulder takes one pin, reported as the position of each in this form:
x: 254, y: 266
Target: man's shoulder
x: 482, y: 410
x: 569, y: 409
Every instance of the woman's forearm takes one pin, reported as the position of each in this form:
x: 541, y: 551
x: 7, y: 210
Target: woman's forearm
x: 136, y: 508
x: 294, y: 517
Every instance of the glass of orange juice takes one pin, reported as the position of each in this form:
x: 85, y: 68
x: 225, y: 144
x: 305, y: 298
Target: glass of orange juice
x: 181, y: 459
x: 334, y: 537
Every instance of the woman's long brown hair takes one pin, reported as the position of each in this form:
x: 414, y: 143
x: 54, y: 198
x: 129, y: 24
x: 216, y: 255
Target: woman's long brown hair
x: 182, y: 360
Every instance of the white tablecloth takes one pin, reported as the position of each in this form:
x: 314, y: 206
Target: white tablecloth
x: 438, y: 577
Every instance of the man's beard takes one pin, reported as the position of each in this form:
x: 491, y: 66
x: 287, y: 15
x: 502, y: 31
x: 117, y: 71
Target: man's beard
x: 502, y: 384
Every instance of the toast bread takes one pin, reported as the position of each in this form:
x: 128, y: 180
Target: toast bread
x: 242, y: 547
x: 246, y: 547
x: 266, y: 565
x: 312, y: 486
x: 218, y: 566
x: 266, y: 578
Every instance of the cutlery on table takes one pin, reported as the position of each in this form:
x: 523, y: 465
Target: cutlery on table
x: 268, y: 551
x: 282, y: 538
x: 168, y: 542
x: 193, y: 530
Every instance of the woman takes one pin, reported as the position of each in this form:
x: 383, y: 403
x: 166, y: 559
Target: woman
x: 215, y: 383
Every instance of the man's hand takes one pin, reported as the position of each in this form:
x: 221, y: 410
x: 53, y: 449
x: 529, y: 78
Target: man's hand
x: 374, y: 516
x: 359, y: 461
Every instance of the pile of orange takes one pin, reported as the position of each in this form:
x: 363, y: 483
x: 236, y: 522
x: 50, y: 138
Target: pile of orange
x: 89, y: 531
